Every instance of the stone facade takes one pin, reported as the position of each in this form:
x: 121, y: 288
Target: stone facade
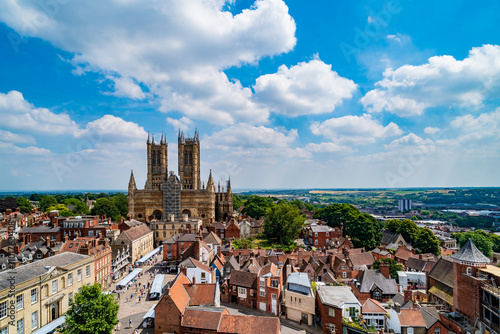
x: 165, y: 193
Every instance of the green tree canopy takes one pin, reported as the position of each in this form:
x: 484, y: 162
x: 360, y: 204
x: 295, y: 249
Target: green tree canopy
x: 409, y: 230
x: 47, y: 201
x: 63, y: 210
x: 283, y: 222
x: 104, y: 206
x: 24, y: 204
x: 479, y: 238
x: 121, y: 203
x: 80, y: 207
x: 364, y: 231
x: 35, y: 197
x: 427, y: 242
x: 338, y: 215
x: 393, y: 266
x: 393, y: 225
x: 91, y: 312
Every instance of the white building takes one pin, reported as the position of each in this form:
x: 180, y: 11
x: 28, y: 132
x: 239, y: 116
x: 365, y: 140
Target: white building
x: 201, y: 272
x: 404, y: 204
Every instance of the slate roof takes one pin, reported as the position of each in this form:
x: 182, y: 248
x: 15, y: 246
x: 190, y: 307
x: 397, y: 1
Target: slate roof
x: 41, y: 229
x: 37, y: 268
x: 371, y: 277
x: 212, y: 238
x: 189, y: 237
x: 137, y: 232
x: 443, y: 272
x: 389, y: 237
x: 243, y: 279
x: 335, y: 295
x: 419, y: 264
x: 470, y: 253
x: 430, y: 315
x: 398, y: 298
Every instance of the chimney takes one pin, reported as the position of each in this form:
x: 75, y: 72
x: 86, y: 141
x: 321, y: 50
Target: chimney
x: 122, y: 220
x: 16, y: 249
x: 66, y: 238
x: 194, y: 280
x: 246, y: 245
x: 52, y: 243
x: 219, y: 250
x: 196, y: 248
x: 184, y: 270
x: 47, y: 241
x: 408, y: 295
x: 384, y: 269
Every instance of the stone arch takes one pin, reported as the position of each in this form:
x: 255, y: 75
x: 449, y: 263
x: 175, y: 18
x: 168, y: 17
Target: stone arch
x: 186, y: 212
x: 157, y: 214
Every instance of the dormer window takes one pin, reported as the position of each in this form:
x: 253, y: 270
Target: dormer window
x: 469, y: 271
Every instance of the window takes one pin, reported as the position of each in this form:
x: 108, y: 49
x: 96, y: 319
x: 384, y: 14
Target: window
x: 87, y: 271
x: 437, y: 330
x: 344, y: 274
x: 20, y: 302
x: 352, y: 311
x: 315, y: 234
x: 203, y: 275
x: 327, y: 241
x: 54, y: 286
x: 34, y: 296
x: 274, y: 296
x: 469, y: 270
x: 409, y: 330
x: 263, y: 293
x: 242, y: 291
x: 315, y: 242
x: 70, y: 296
x: 34, y: 320
x: 70, y: 279
x: 388, y: 256
x: 327, y: 234
x: 3, y: 310
x: 79, y: 274
x: 20, y: 326
x: 331, y: 327
x: 274, y: 283
x: 4, y: 330
x: 331, y: 312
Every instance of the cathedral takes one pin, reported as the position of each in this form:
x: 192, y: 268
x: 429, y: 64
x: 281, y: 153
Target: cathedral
x: 167, y: 196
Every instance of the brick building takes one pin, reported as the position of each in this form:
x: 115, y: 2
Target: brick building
x: 319, y: 235
x: 232, y: 230
x: 335, y: 302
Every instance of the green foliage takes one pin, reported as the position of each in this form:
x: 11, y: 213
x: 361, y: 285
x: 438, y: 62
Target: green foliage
x: 364, y: 231
x: 256, y: 206
x: 46, y: 201
x: 481, y: 239
x: 91, y: 312
x: 427, y: 242
x: 80, y: 207
x: 240, y: 243
x: 393, y: 225
x: 121, y: 203
x: 104, y: 206
x: 409, y: 230
x: 425, y: 213
x: 237, y: 202
x: 63, y: 210
x: 283, y: 222
x: 393, y: 266
x: 24, y: 205
x: 338, y: 215
x: 35, y: 197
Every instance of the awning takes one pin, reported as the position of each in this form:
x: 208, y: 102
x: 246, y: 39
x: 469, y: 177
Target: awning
x: 150, y: 313
x: 51, y: 326
x: 149, y: 255
x: 129, y: 277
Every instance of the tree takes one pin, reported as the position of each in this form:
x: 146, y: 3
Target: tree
x: 283, y: 222
x: 104, y: 206
x: 47, y: 201
x: 393, y: 225
x: 427, y: 242
x: 35, y: 197
x: 409, y: 230
x: 24, y: 205
x: 364, y: 231
x: 63, y: 210
x: 479, y: 238
x: 338, y: 215
x: 8, y: 203
x: 393, y: 266
x: 121, y: 203
x: 80, y: 207
x: 91, y: 312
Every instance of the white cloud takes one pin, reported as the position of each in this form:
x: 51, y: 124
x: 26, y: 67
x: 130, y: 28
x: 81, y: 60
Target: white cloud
x: 258, y: 141
x: 17, y: 113
x: 9, y: 148
x: 306, y: 88
x: 328, y: 147
x: 409, y: 140
x: 8, y: 136
x: 484, y: 129
x: 177, y: 49
x: 354, y: 129
x: 183, y: 123
x: 443, y: 81
x: 126, y: 87
x: 431, y: 130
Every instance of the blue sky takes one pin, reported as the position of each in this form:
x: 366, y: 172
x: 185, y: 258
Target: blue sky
x: 285, y: 94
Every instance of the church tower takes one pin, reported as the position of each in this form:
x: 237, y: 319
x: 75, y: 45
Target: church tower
x: 157, y: 163
x: 189, y: 161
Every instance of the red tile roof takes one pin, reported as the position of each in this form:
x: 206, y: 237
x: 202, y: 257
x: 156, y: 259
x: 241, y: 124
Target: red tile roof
x: 247, y: 324
x: 207, y: 319
x: 372, y: 306
x: 411, y: 317
x: 201, y: 294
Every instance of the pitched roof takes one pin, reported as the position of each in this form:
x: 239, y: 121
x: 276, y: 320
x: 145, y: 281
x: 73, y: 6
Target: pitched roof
x: 419, y: 264
x: 248, y: 324
x: 335, y: 295
x: 372, y: 306
x: 430, y: 315
x: 212, y: 238
x: 137, y: 232
x: 243, y: 279
x: 443, y: 292
x: 403, y: 253
x: 360, y: 259
x: 201, y: 294
x: 470, y: 253
x: 443, y: 272
x: 370, y: 278
x: 398, y: 298
x: 411, y: 317
x: 203, y: 318
x: 389, y: 237
x: 193, y: 263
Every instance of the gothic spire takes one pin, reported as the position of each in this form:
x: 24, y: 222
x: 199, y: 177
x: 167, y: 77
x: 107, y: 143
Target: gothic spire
x: 131, y: 182
x: 149, y: 139
x: 229, y: 185
x: 210, y: 183
x: 153, y: 139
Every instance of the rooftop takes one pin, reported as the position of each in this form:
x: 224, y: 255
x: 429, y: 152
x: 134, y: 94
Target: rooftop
x: 336, y: 295
x: 470, y: 253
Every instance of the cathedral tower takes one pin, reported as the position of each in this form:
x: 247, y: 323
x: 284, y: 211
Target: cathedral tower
x: 157, y: 163
x: 189, y: 161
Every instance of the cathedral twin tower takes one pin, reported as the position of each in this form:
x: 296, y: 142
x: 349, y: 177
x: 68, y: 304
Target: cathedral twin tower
x: 170, y: 197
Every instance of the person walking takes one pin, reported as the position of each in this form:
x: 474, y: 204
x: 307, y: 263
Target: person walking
x: 129, y: 323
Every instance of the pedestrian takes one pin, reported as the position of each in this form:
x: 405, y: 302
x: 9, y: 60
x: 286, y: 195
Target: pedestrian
x: 139, y: 299
x: 129, y: 323
x: 127, y: 299
x: 131, y: 296
x: 118, y: 325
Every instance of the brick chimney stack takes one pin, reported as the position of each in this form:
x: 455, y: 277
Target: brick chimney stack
x: 184, y: 270
x: 408, y: 295
x: 384, y: 269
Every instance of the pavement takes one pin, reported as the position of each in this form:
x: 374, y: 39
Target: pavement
x: 133, y: 309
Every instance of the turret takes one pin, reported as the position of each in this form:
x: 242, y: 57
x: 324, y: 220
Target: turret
x: 149, y: 139
x: 131, y: 182
x: 153, y: 139
x: 196, y: 138
x: 229, y: 185
x: 210, y: 183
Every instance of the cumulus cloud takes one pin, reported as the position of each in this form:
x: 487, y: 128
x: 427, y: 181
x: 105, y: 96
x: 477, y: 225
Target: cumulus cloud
x: 177, y: 49
x: 484, y: 128
x: 18, y: 114
x: 9, y: 148
x: 183, y: 123
x: 306, y: 88
x: 260, y: 141
x: 328, y: 147
x: 431, y: 130
x: 409, y: 140
x: 442, y: 81
x: 354, y: 129
x: 7, y: 136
